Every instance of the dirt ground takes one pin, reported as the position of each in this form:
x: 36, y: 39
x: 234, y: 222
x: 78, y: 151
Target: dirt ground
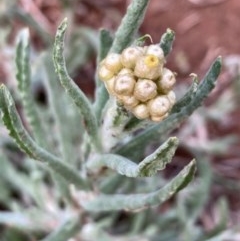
x: 204, y: 29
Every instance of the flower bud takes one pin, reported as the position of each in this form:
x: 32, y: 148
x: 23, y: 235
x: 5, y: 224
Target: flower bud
x: 158, y: 118
x: 148, y: 67
x: 125, y: 71
x: 145, y: 89
x: 104, y: 73
x: 129, y: 101
x: 109, y: 84
x: 167, y: 81
x: 130, y: 55
x: 172, y: 97
x: 124, y: 84
x: 159, y: 106
x: 113, y: 62
x: 156, y: 50
x: 141, y: 111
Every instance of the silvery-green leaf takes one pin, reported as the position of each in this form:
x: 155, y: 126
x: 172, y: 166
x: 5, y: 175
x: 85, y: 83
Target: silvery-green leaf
x: 24, y: 85
x: 78, y: 97
x: 101, y: 94
x: 129, y: 25
x: 135, y: 202
x: 16, y: 129
x: 166, y: 41
x: 148, y: 167
x: 66, y: 231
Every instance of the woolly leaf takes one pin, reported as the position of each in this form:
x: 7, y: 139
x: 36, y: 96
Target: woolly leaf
x: 191, y: 201
x: 105, y: 44
x: 71, y: 88
x: 101, y: 94
x: 139, y: 201
x: 129, y: 25
x: 166, y: 41
x: 16, y: 129
x: 187, y: 98
x: 215, y: 233
x: 148, y: 167
x: 55, y: 99
x: 123, y: 37
x: 28, y: 220
x: 24, y: 85
x: 67, y: 230
x: 158, y: 159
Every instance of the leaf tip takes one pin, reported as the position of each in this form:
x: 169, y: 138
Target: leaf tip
x: 192, y: 167
x: 217, y: 65
x: 219, y: 58
x: 63, y: 24
x: 24, y: 34
x: 192, y: 163
x: 174, y: 140
x: 2, y: 89
x: 170, y: 31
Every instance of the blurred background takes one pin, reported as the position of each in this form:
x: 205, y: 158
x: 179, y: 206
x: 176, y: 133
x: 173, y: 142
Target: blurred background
x: 204, y: 29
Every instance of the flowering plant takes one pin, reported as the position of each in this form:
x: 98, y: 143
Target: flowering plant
x: 99, y: 172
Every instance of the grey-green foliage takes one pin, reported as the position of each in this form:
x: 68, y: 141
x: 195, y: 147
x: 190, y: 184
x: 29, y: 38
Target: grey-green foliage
x: 95, y: 177
x: 24, y: 85
x: 147, y: 167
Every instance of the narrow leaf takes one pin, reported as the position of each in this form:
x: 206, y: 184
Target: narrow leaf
x: 187, y: 97
x: 106, y: 40
x: 101, y: 94
x: 133, y: 124
x: 19, y: 180
x: 148, y: 167
x: 55, y: 96
x: 71, y: 88
x: 166, y: 41
x: 29, y: 220
x: 191, y: 201
x: 154, y: 132
x: 115, y: 116
x: 24, y: 85
x: 111, y: 183
x: 129, y: 25
x: 66, y: 231
x: 123, y: 37
x: 140, y: 201
x: 13, y: 123
x: 101, y: 98
x: 214, y: 233
x: 159, y: 159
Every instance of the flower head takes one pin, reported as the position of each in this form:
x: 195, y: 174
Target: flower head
x: 138, y: 80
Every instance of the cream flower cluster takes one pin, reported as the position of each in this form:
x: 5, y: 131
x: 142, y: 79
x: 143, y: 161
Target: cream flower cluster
x: 138, y: 79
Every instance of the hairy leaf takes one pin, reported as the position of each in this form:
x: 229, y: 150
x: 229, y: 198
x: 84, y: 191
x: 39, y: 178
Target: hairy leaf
x: 129, y: 25
x: 71, y: 88
x: 105, y: 44
x: 139, y: 201
x: 67, y: 230
x: 24, y: 85
x: 16, y: 129
x: 101, y: 94
x: 166, y: 41
x: 148, y: 167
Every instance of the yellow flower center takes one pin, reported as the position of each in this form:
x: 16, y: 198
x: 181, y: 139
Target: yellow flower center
x: 151, y: 61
